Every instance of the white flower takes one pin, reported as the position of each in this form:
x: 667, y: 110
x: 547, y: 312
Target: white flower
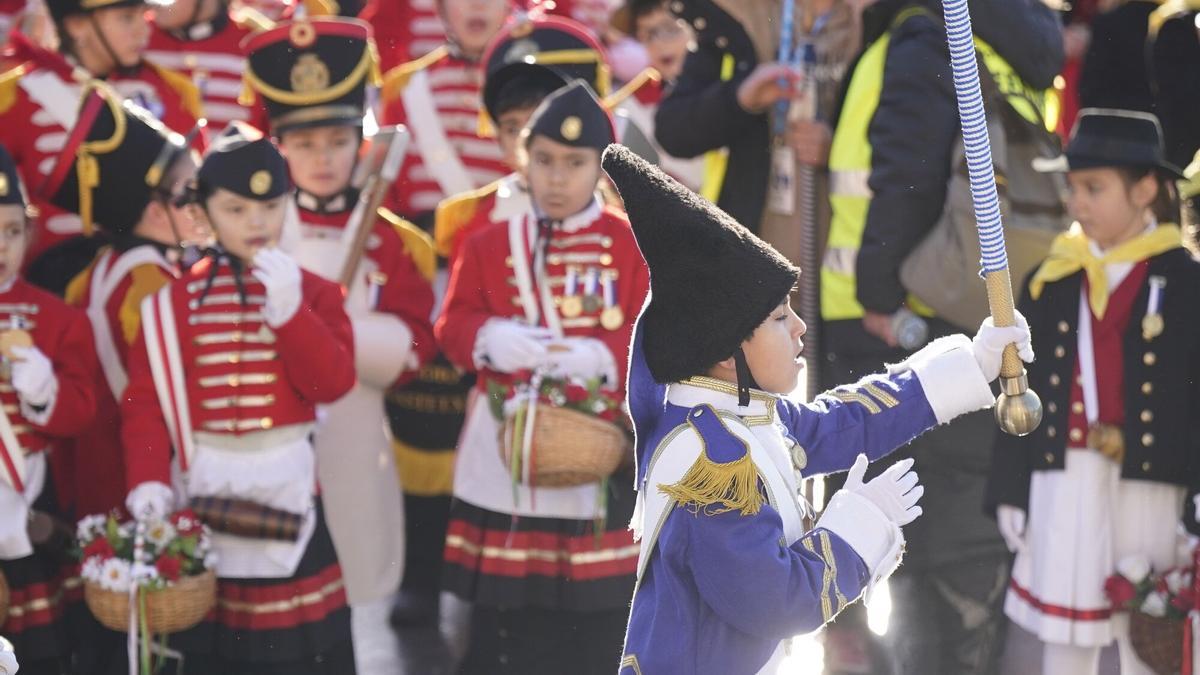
x: 1177, y: 580
x: 114, y: 575
x: 1134, y: 568
x: 90, y: 527
x: 210, y: 561
x: 160, y: 533
x: 91, y: 570
x: 1155, y: 604
x: 598, y: 406
x: 186, y: 523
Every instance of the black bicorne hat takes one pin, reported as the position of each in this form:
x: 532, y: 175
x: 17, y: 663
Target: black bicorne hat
x: 312, y: 72
x: 11, y: 191
x: 61, y: 9
x: 245, y: 162
x: 113, y: 161
x: 1107, y: 137
x: 574, y: 116
x: 712, y: 281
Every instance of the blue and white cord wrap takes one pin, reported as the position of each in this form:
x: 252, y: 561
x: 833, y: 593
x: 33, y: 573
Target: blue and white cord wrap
x: 975, y: 136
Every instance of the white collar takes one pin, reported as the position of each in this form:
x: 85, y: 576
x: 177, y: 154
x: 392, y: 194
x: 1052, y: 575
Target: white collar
x: 723, y: 395
x: 311, y: 202
x: 579, y: 221
x: 1115, y: 273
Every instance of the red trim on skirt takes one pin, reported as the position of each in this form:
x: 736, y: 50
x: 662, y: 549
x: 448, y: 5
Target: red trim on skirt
x: 517, y: 554
x: 1058, y: 610
x: 287, y: 604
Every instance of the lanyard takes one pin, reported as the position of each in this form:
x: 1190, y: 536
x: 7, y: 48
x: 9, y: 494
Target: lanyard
x: 795, y: 49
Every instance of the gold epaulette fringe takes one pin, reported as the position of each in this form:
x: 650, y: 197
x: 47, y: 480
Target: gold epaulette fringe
x: 707, y: 484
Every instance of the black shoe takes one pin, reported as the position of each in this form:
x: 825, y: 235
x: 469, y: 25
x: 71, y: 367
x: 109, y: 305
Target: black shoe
x: 415, y: 608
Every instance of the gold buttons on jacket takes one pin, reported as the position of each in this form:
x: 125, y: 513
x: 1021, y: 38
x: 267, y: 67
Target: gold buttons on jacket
x: 1145, y: 467
x: 1049, y: 457
x: 1055, y: 380
x: 1060, y: 351
x: 1051, y: 431
x: 1147, y: 388
x: 1146, y: 416
x: 1076, y: 435
x: 1052, y: 407
x: 1147, y: 440
x: 1063, y: 327
x: 1149, y: 358
x: 1077, y: 407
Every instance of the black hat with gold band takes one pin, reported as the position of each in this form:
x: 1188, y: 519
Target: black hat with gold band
x: 311, y: 72
x: 574, y: 116
x: 11, y: 192
x: 113, y: 162
x: 565, y: 46
x: 243, y: 161
x: 61, y: 9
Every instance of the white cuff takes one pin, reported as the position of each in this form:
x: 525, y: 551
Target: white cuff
x: 479, y: 353
x: 31, y: 413
x: 382, y: 346
x: 154, y: 496
x: 275, y: 316
x: 950, y: 376
x: 872, y: 535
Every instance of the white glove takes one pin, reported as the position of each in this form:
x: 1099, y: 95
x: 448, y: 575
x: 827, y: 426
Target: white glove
x: 585, y: 358
x: 281, y: 275
x: 1011, y: 521
x: 8, y: 658
x: 507, y: 346
x: 989, y: 343
x: 33, y: 376
x: 895, y: 491
x: 150, y: 500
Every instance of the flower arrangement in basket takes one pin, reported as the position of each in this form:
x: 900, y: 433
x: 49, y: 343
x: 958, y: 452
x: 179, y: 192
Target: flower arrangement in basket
x: 166, y: 564
x: 559, y: 431
x: 1158, y: 604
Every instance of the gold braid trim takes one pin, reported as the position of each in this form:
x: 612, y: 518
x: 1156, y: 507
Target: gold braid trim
x: 87, y: 167
x: 734, y: 485
x: 826, y: 603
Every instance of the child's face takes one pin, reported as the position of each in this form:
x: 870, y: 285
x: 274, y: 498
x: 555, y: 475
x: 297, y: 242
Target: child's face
x: 125, y: 29
x: 321, y: 159
x: 773, y: 350
x: 508, y: 133
x: 1108, y: 210
x: 666, y: 40
x: 243, y: 225
x: 561, y: 178
x: 14, y: 240
x: 472, y: 23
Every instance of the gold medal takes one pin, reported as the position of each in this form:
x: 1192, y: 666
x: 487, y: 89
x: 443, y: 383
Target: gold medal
x: 591, y: 303
x: 612, y: 318
x: 1152, y: 326
x: 572, y: 306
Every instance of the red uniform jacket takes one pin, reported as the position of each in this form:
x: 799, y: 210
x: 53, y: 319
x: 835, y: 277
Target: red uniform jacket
x: 63, y: 334
x: 403, y: 30
x: 482, y: 286
x: 241, y: 376
x: 400, y: 285
x: 453, y: 84
x: 212, y: 57
x: 40, y: 89
x: 96, y: 457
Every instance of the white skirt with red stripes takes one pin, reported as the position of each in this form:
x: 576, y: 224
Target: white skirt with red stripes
x: 1082, y: 520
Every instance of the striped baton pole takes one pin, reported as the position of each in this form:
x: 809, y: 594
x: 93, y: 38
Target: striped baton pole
x: 1018, y: 408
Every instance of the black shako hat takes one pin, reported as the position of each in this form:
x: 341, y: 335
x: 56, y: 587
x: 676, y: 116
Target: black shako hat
x: 245, y: 162
x: 712, y: 282
x: 10, y: 182
x: 311, y: 72
x: 113, y: 161
x: 1108, y: 137
x: 574, y: 116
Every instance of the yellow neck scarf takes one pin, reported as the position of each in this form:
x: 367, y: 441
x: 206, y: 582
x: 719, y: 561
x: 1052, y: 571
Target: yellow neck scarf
x: 1070, y: 253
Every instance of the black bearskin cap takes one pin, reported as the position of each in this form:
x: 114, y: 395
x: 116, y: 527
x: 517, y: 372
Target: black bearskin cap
x: 712, y: 281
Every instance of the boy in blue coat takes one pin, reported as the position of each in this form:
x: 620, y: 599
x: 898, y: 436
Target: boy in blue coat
x: 729, y: 569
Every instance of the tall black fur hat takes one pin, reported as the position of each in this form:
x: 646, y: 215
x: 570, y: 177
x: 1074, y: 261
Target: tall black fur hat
x: 712, y: 282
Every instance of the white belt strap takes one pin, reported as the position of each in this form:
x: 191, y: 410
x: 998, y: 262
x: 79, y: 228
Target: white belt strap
x: 106, y: 276
x: 166, y: 367
x: 440, y: 159
x: 59, y: 99
x: 12, y: 464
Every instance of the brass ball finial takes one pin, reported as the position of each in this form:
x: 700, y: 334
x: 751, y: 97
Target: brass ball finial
x: 1018, y: 408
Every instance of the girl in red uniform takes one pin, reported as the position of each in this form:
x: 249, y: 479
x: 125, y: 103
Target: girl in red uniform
x: 549, y: 593
x: 46, y: 372
x: 223, y: 388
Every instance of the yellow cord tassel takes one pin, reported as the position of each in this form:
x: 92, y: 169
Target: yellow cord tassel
x: 247, y: 95
x: 87, y: 170
x: 733, y: 485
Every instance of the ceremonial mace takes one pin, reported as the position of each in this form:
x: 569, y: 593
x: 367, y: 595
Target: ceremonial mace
x: 1018, y: 408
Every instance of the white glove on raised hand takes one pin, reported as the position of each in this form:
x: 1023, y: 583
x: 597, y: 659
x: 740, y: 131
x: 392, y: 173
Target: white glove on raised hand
x: 895, y: 492
x: 150, y: 500
x: 1011, y: 521
x: 585, y: 358
x: 33, y: 376
x: 989, y: 343
x: 507, y: 346
x: 281, y: 275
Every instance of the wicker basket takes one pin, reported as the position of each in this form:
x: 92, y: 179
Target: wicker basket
x: 1158, y: 642
x: 569, y: 447
x: 169, y: 610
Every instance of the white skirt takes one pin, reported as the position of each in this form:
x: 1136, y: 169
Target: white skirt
x: 1082, y: 520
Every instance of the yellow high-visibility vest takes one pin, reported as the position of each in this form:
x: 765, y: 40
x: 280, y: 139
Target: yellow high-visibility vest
x: 850, y: 162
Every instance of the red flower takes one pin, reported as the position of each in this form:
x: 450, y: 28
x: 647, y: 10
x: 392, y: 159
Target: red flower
x: 1119, y: 590
x: 608, y: 415
x: 576, y: 393
x: 99, y: 548
x: 169, y: 567
x: 185, y: 522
